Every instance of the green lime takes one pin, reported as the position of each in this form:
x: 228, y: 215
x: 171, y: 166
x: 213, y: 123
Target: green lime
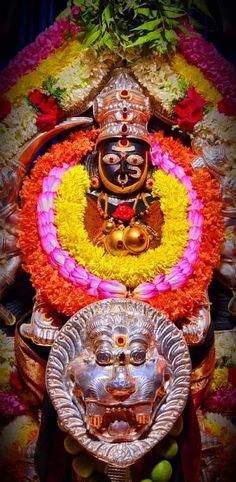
x: 168, y: 448
x: 83, y: 465
x: 162, y: 471
x: 72, y: 446
x: 177, y: 428
x: 146, y: 480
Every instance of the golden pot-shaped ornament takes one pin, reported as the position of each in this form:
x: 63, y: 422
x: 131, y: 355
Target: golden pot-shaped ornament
x: 108, y: 226
x: 114, y: 242
x: 136, y: 239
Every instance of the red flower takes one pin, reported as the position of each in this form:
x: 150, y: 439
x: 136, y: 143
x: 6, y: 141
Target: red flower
x: 190, y: 110
x: 232, y: 375
x: 60, y: 114
x: 227, y: 107
x: 36, y: 97
x: 123, y: 212
x: 5, y: 108
x: 47, y: 104
x: 45, y: 122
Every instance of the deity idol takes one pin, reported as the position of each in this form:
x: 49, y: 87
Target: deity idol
x: 115, y: 216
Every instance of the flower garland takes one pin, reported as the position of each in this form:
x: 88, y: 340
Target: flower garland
x: 158, y: 76
x: 16, y: 435
x: 59, y: 292
x: 202, y: 54
x: 31, y: 56
x: 194, y: 77
x: 221, y: 391
x: 78, y: 73
x: 54, y: 64
x: 182, y: 301
x: 68, y: 298
x: 17, y: 128
x: 178, y: 85
x: 69, y: 220
x: 217, y: 128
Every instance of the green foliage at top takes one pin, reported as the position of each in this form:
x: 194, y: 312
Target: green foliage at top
x: 122, y: 25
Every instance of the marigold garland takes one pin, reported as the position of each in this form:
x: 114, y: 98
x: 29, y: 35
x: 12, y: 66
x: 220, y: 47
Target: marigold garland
x: 54, y: 64
x: 194, y: 77
x: 183, y: 301
x: 131, y: 270
x: 63, y: 295
x: 67, y: 298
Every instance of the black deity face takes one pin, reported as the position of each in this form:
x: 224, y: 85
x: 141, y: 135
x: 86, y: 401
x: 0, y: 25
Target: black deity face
x: 123, y: 165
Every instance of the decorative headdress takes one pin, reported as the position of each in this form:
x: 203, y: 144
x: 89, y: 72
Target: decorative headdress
x: 122, y: 110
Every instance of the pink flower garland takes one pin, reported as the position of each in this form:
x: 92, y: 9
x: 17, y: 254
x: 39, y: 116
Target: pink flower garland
x: 79, y: 276
x: 202, y: 54
x: 29, y: 57
x: 221, y: 400
x: 184, y: 268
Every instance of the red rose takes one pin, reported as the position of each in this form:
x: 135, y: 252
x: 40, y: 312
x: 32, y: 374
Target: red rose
x: 45, y: 122
x: 123, y: 212
x: 60, y: 114
x: 36, y: 97
x: 190, y: 110
x: 5, y: 108
x: 227, y: 107
x: 47, y: 105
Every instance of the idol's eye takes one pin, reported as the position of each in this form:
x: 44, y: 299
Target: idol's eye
x: 138, y: 356
x: 104, y: 357
x: 111, y: 159
x: 135, y: 160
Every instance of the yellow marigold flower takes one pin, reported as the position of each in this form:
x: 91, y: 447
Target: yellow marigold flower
x: 196, y: 78
x: 131, y: 270
x: 219, y: 379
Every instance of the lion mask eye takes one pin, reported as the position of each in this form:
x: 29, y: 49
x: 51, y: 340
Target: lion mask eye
x: 138, y: 356
x: 104, y: 357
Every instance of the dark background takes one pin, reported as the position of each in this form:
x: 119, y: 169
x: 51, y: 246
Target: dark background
x: 22, y: 20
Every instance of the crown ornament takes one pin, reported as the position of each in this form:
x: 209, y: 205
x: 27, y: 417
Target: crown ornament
x: 122, y: 110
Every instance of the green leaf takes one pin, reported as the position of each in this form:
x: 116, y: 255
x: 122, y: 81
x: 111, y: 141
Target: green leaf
x: 91, y: 37
x: 171, y: 36
x: 148, y: 25
x: 171, y: 14
x: 106, y: 15
x: 107, y: 40
x: 145, y: 38
x: 144, y: 11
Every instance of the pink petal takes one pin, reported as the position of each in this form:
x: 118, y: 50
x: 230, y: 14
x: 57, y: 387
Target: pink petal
x: 163, y: 287
x: 111, y: 288
x: 144, y: 291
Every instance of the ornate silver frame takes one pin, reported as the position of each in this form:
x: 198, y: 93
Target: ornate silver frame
x: 68, y: 343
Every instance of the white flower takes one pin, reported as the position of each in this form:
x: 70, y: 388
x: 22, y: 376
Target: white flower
x: 17, y: 128
x: 159, y: 78
x: 225, y: 343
